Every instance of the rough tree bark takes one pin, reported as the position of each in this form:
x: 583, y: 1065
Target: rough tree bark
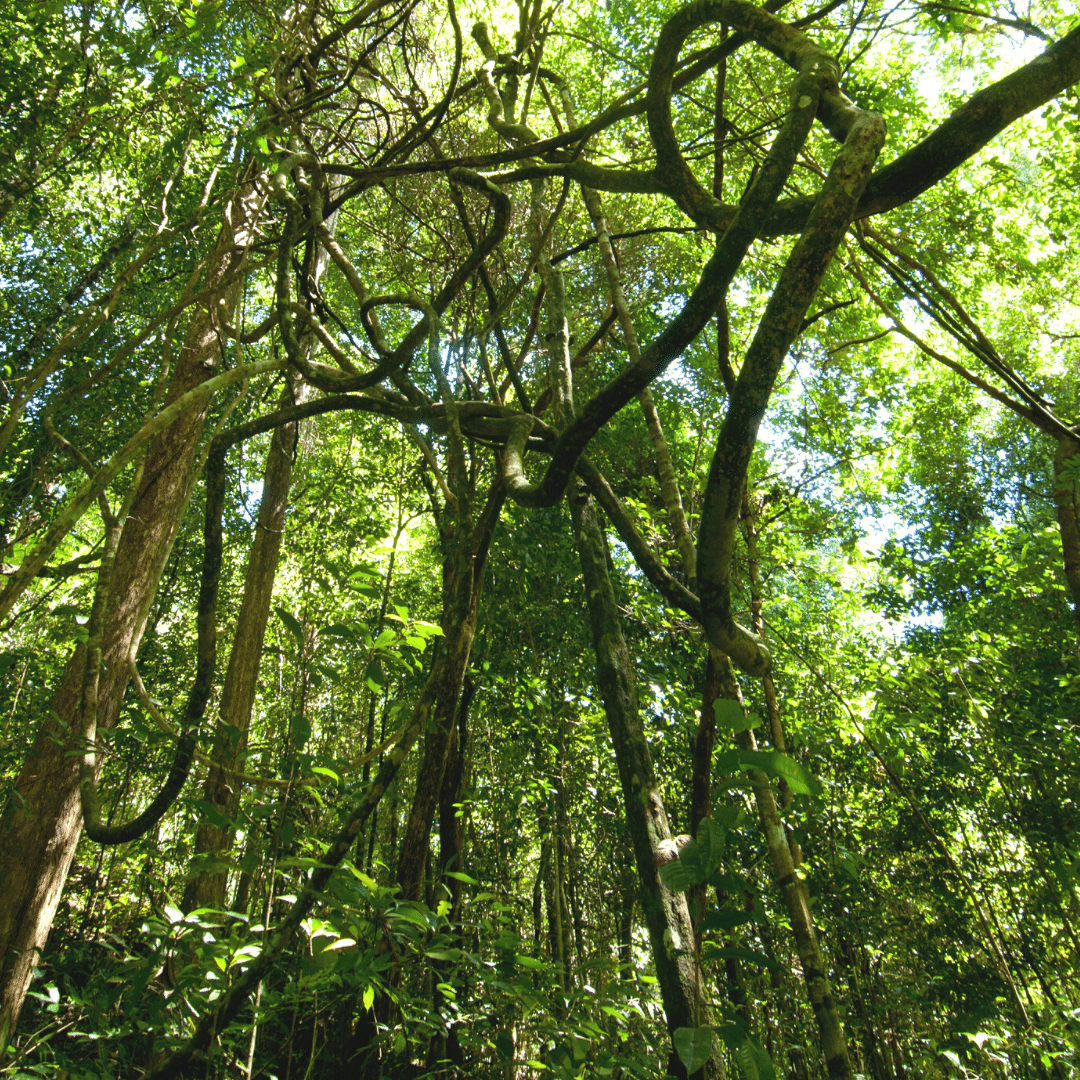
x: 667, y: 916
x: 41, y: 822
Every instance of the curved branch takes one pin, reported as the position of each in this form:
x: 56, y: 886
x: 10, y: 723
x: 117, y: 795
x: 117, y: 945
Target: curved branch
x: 966, y: 131
x: 195, y: 398
x: 728, y: 636
x: 822, y: 74
x: 328, y: 379
x: 716, y: 276
x: 96, y: 829
x: 780, y: 325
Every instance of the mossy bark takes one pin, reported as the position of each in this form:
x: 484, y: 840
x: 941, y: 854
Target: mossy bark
x: 667, y: 917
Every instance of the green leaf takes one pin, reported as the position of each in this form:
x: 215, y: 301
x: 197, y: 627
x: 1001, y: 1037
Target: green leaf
x: 774, y: 763
x: 727, y: 920
x: 698, y: 859
x: 212, y: 814
x: 731, y: 717
x: 446, y: 955
x: 322, y: 770
x: 341, y: 943
x: 728, y: 762
x: 291, y: 624
x: 376, y: 677
x: 694, y: 1046
x: 369, y: 997
x: 680, y: 875
x: 422, y: 918
x: 754, y: 1061
x: 504, y: 1046
x: 709, y: 845
x: 457, y: 875
x: 732, y: 952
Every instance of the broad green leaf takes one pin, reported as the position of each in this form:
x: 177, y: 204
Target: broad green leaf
x: 727, y: 762
x: 291, y: 624
x: 446, y: 955
x: 774, y: 763
x: 458, y: 875
x: 709, y: 845
x: 694, y: 1046
x: 680, y: 875
x: 414, y: 915
x: 341, y: 943
x: 698, y: 859
x: 376, y: 677
x: 212, y: 814
x: 754, y: 1061
x: 727, y: 920
x: 504, y: 1046
x: 732, y: 718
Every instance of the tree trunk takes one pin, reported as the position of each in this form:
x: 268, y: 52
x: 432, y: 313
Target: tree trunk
x: 1067, y: 498
x: 463, y: 569
x: 207, y: 889
x: 666, y: 914
x: 797, y: 901
x: 42, y: 820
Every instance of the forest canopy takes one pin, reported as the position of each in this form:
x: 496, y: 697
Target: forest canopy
x: 539, y: 540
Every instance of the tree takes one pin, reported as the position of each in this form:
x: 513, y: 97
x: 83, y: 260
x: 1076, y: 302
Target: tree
x: 535, y: 207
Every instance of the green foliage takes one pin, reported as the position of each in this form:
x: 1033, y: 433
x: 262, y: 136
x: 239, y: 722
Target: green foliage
x: 901, y: 555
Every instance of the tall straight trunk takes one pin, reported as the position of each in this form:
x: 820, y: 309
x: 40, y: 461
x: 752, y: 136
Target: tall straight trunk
x: 412, y: 862
x: 667, y: 916
x: 720, y: 683
x: 455, y: 780
x: 1067, y: 499
x: 796, y: 897
x: 207, y: 889
x: 41, y: 822
x: 463, y: 575
x: 445, y: 1047
x: 562, y: 845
